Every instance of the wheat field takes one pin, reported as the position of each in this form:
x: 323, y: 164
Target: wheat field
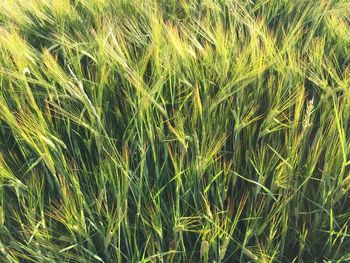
x: 174, y: 131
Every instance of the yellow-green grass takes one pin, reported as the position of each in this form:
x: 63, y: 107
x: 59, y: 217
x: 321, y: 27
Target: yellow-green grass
x: 174, y: 131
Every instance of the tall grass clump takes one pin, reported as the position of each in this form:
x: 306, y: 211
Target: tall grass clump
x: 174, y: 131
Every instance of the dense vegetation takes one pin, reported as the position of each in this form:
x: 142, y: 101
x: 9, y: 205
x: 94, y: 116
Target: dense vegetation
x: 174, y: 131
